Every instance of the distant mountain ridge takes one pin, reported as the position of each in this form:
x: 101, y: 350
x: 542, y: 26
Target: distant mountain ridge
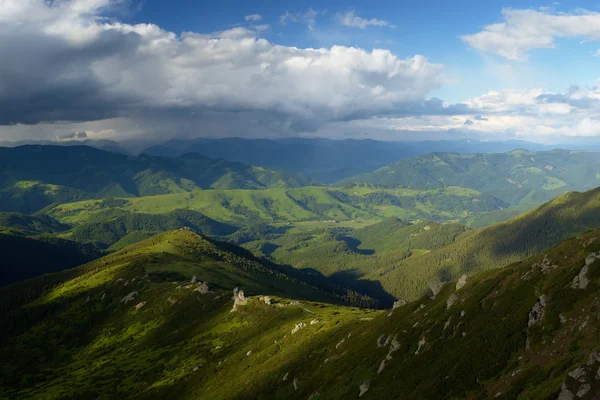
x: 32, y: 177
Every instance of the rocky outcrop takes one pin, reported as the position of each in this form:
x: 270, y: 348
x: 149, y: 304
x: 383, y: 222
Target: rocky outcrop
x: 285, y: 377
x: 202, y: 288
x: 265, y: 299
x: 421, y: 344
x: 582, y: 382
x: 537, y: 312
x: 399, y: 303
x: 581, y: 281
x: 462, y: 281
x: 298, y: 326
x: 451, y: 301
x: 364, y: 388
x: 194, y: 279
x: 129, y: 297
x: 238, y: 299
x: 296, y: 383
x: 435, y: 287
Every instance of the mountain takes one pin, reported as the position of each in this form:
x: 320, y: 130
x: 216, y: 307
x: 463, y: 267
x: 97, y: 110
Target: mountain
x: 133, y: 326
x: 325, y: 160
x: 305, y: 204
x: 32, y: 177
x: 515, y: 177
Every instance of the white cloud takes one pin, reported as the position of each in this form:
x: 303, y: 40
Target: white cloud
x: 524, y: 30
x: 66, y: 63
x: 350, y: 19
x: 253, y: 17
x: 308, y: 18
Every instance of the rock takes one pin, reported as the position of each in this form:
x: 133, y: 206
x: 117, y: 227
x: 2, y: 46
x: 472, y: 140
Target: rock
x: 194, y: 279
x: 565, y: 394
x: 581, y: 280
x: 314, y: 321
x: 462, y: 313
x: 265, y: 299
x: 462, y: 281
x: 285, y: 377
x: 298, y: 327
x: 249, y: 353
x: 296, y: 383
x: 435, y: 287
x: 197, y: 367
x: 590, y: 259
x: 171, y: 301
x: 421, y: 344
x: 103, y: 296
x: 579, y: 374
x: 399, y: 303
x: 341, y: 342
x: 381, y: 367
x: 447, y: 324
x: 537, y: 312
x: 563, y: 319
x: 364, y: 388
x: 583, y: 390
x: 140, y: 305
x: 129, y: 297
x: 202, y: 288
x: 451, y: 301
x: 314, y: 396
x: 381, y: 341
x: 238, y: 299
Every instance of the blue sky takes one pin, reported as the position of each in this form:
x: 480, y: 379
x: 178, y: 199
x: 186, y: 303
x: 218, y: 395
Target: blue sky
x: 395, y: 70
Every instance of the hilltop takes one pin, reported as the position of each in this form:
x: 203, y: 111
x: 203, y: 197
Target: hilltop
x: 141, y: 331
x: 33, y: 177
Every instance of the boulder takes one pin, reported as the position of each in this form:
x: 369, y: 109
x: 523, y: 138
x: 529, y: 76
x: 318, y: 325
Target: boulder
x: 238, y: 299
x: 435, y: 287
x: 202, y: 288
x: 462, y: 281
x: 537, y: 312
x: 298, y: 327
x: 296, y: 383
x: 399, y: 303
x: 194, y: 279
x: 285, y: 377
x: 364, y: 388
x: 129, y: 297
x: 451, y: 301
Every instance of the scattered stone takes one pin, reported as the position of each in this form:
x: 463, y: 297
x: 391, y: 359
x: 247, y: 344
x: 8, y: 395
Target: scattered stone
x: 103, y: 296
x: 381, y: 367
x: 364, y: 388
x: 421, y: 344
x: 298, y: 327
x: 285, y: 377
x: 583, y: 390
x: 581, y: 281
x: 563, y: 319
x: 537, y: 312
x: 249, y: 353
x: 194, y: 279
x: 341, y: 342
x: 314, y: 321
x: 197, y: 367
x: 549, y: 167
x: 451, y: 301
x: 399, y: 303
x: 447, y: 324
x: 87, y: 300
x: 119, y: 280
x: 129, y: 297
x: 381, y: 341
x: 202, y: 288
x: 579, y: 374
x: 140, y: 305
x: 464, y: 334
x: 314, y: 396
x: 435, y: 287
x: 296, y: 383
x: 265, y: 299
x: 462, y: 313
x: 462, y: 281
x: 238, y: 299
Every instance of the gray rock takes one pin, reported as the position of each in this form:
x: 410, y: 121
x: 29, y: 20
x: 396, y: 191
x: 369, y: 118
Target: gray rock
x: 364, y: 388
x: 238, y: 299
x: 462, y: 281
x: 129, y: 297
x: 285, y: 377
x: 421, y: 344
x: 537, y: 312
x: 296, y: 383
x: 565, y: 394
x: 381, y: 367
x: 583, y: 390
x: 194, y: 279
x: 381, y: 341
x: 579, y: 374
x: 451, y: 301
x: 298, y: 327
x: 562, y: 318
x: 435, y: 287
x: 399, y: 303
x: 202, y: 288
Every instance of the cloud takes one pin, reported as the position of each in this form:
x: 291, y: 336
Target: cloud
x: 350, y: 19
x: 253, y: 17
x: 71, y: 136
x: 524, y: 30
x: 65, y: 62
x: 308, y: 18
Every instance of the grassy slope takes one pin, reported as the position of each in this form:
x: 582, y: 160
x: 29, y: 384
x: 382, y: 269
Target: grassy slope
x: 515, y: 177
x: 101, y: 348
x: 496, y: 245
x: 300, y: 204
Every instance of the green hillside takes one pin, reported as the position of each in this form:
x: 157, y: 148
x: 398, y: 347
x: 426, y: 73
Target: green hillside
x: 32, y: 177
x: 243, y: 207
x: 514, y: 177
x: 133, y: 326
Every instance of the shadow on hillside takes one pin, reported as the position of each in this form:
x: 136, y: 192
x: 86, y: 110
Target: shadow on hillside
x: 352, y: 280
x: 353, y: 244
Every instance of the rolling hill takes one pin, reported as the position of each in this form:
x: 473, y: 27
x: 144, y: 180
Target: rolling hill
x: 135, y: 325
x: 33, y: 177
x: 516, y: 177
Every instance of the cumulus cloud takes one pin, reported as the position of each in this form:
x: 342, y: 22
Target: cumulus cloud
x: 350, y: 19
x: 63, y: 62
x: 308, y: 17
x: 524, y: 30
x: 253, y: 17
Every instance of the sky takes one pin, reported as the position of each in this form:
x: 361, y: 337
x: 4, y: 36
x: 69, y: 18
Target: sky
x: 390, y: 70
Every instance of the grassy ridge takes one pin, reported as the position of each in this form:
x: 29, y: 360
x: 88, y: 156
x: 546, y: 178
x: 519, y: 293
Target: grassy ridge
x: 171, y: 341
